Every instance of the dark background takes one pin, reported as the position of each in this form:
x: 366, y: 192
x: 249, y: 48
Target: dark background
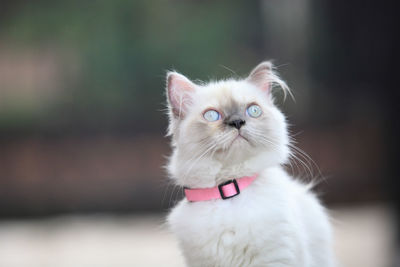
x: 82, y: 94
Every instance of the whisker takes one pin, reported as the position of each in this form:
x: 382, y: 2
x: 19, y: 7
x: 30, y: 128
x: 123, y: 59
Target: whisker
x: 296, y: 154
x: 196, y: 158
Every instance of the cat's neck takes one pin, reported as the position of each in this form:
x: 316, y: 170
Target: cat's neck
x: 211, y: 172
x: 234, y: 172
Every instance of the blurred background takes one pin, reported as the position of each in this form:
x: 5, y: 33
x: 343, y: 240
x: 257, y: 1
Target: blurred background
x: 82, y: 125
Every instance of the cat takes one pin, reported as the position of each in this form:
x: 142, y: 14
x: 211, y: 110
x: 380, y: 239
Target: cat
x: 231, y: 132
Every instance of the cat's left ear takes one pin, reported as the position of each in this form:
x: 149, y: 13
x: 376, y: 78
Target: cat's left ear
x: 260, y: 76
x: 264, y: 77
x: 179, y: 93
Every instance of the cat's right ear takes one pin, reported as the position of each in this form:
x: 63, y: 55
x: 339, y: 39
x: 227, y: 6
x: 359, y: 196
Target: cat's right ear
x: 179, y: 93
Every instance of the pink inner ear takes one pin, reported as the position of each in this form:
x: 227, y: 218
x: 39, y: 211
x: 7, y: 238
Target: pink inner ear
x: 262, y: 75
x: 179, y: 90
x: 261, y: 80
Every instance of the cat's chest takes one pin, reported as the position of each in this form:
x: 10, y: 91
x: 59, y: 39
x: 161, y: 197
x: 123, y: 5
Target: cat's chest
x: 255, y: 214
x: 246, y: 226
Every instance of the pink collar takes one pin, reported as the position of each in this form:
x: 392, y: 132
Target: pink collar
x: 225, y: 190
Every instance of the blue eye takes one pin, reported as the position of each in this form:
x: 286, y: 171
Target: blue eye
x: 254, y: 111
x: 211, y: 115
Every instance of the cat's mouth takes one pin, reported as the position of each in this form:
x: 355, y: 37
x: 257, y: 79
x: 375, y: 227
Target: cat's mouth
x: 238, y: 137
x: 241, y: 136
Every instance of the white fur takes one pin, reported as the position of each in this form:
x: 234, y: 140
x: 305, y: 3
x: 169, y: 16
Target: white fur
x: 276, y: 221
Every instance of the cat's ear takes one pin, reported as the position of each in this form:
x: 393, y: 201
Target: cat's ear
x: 260, y: 76
x: 179, y: 93
x: 265, y: 78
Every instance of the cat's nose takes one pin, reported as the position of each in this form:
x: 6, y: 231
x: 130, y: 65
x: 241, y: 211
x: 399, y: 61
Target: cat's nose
x: 237, y: 123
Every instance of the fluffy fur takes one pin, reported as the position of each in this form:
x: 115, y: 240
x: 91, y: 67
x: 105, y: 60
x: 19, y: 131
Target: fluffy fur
x: 276, y: 221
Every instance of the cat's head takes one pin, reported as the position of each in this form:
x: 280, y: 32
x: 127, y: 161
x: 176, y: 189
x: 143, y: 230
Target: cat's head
x: 225, y: 129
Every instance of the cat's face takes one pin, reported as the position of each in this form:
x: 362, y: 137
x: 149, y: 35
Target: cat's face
x: 227, y: 122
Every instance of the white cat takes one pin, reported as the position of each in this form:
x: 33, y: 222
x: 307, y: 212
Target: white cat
x: 227, y: 130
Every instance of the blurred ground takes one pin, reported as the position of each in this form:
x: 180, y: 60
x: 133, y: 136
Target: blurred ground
x: 363, y: 238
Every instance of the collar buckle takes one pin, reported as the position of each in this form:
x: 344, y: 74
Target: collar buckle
x: 236, y: 186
